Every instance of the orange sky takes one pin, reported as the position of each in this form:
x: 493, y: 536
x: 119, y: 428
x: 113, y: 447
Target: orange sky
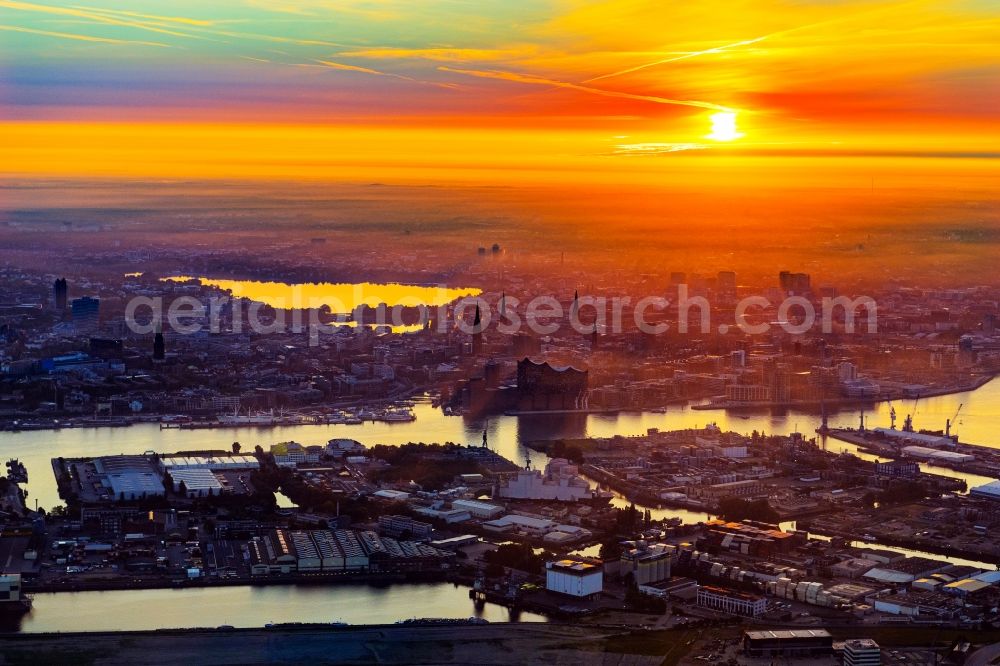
x: 445, y: 91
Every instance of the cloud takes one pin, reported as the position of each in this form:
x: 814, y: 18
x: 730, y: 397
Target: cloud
x: 541, y: 81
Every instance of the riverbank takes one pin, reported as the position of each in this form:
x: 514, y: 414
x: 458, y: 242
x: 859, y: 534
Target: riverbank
x: 293, y: 579
x: 383, y: 644
x: 842, y: 403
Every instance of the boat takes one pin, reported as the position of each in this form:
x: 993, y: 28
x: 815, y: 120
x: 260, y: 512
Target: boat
x: 398, y: 416
x: 16, y: 603
x: 248, y: 419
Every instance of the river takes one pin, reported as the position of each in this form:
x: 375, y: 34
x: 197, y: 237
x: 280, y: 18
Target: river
x: 248, y: 606
x: 978, y: 424
x: 255, y: 606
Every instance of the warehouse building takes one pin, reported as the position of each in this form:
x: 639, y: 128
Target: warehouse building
x: 801, y: 643
x: 198, y: 482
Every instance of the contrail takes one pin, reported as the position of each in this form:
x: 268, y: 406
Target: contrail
x: 695, y: 54
x: 726, y: 47
x: 541, y: 81
x: 375, y: 72
x: 82, y: 38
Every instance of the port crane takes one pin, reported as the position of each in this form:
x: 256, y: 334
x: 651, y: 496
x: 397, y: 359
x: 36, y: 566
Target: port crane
x: 953, y: 420
x: 908, y: 421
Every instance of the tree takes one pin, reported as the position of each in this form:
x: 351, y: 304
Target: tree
x: 735, y: 508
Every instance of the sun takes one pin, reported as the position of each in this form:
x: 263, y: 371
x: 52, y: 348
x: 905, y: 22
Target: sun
x: 724, y: 127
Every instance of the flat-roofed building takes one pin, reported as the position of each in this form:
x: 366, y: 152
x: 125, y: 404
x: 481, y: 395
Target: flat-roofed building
x: 788, y: 643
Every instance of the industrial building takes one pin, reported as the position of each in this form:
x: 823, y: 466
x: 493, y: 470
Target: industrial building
x: 574, y: 577
x: 788, y: 643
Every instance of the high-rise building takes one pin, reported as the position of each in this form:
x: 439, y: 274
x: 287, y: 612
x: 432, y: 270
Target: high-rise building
x: 86, y: 312
x: 794, y: 283
x: 59, y: 293
x: 477, y: 333
x: 159, y: 349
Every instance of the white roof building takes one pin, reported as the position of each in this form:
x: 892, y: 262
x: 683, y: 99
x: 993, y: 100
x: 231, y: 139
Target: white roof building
x: 198, y: 482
